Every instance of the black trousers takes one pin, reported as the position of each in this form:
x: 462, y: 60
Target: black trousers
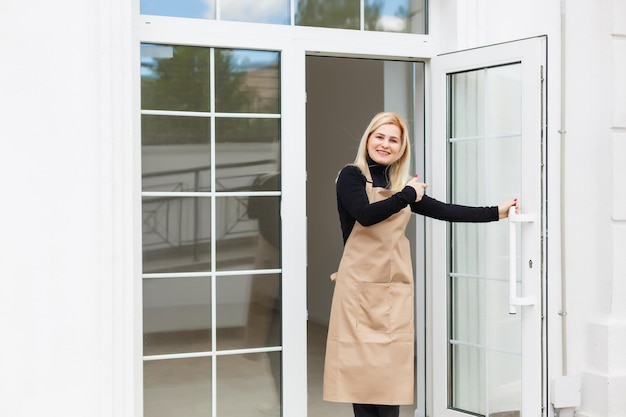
x: 373, y: 410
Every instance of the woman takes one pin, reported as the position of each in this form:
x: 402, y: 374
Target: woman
x: 369, y: 350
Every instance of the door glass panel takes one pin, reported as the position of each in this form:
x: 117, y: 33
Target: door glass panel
x: 485, y: 154
x: 175, y: 153
x: 175, y: 130
x: 248, y: 150
x: 176, y: 150
x: 175, y: 77
x: 176, y: 234
x: 250, y: 374
x: 178, y: 384
x: 254, y: 318
x: 176, y: 315
x: 211, y: 190
x: 247, y: 81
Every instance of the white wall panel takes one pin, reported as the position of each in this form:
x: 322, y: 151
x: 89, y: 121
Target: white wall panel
x: 57, y: 276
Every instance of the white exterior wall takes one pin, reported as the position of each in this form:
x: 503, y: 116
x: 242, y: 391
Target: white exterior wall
x: 65, y: 106
x: 593, y: 178
x: 67, y: 282
x: 595, y: 154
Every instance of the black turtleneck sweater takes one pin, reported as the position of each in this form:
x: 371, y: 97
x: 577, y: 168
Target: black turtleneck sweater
x: 353, y: 204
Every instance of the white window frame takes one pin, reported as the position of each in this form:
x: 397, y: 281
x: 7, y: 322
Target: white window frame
x: 294, y: 43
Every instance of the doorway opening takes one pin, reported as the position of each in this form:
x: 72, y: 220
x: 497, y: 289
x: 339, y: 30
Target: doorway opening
x: 342, y: 96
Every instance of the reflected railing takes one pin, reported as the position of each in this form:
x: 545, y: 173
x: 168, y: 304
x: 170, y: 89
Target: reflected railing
x: 166, y: 219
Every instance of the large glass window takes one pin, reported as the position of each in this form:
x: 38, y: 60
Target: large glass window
x: 406, y: 16
x: 210, y: 140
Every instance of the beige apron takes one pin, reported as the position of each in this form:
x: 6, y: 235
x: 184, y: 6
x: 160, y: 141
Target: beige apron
x: 369, y: 350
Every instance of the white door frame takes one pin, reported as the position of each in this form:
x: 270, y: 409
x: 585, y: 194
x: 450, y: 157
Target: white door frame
x: 294, y: 43
x: 532, y: 52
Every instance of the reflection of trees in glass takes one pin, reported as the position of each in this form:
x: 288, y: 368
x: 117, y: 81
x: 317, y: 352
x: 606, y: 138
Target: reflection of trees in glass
x: 174, y: 130
x: 231, y: 94
x: 372, y: 13
x: 246, y: 90
x: 400, y: 21
x: 181, y: 82
x: 342, y: 14
x: 345, y: 14
x: 247, y: 130
x: 244, y: 85
x: 177, y: 83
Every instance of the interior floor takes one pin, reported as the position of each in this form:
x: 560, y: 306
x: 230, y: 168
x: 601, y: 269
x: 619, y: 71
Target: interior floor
x: 182, y: 387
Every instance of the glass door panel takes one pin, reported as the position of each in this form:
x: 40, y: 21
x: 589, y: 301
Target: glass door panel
x: 487, y: 343
x: 485, y: 351
x: 211, y: 193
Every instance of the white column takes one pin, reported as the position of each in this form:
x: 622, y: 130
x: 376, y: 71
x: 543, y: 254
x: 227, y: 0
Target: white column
x: 604, y: 370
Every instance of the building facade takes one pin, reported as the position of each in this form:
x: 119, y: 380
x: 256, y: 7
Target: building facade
x: 138, y: 280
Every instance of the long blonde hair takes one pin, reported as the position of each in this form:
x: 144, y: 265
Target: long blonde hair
x: 399, y: 169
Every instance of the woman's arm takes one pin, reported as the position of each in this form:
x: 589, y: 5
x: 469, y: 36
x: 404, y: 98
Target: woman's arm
x: 436, y: 209
x: 352, y: 196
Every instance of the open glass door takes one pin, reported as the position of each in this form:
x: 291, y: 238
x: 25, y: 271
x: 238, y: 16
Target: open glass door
x: 486, y: 278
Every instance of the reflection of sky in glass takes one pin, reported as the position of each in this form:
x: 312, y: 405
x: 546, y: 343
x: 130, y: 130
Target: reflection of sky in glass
x: 149, y: 56
x: 260, y: 11
x: 203, y: 9
x: 245, y: 60
x: 242, y: 59
x: 395, y: 14
x: 390, y: 7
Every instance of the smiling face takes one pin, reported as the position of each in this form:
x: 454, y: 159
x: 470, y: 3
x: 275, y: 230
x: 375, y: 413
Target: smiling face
x: 384, y: 144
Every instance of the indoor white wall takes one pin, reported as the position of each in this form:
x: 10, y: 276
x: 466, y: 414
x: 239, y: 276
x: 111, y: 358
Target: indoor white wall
x: 333, y: 136
x: 336, y: 99
x: 56, y: 355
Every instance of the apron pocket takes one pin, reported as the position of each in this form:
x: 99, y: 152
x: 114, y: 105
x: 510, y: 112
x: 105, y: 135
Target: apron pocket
x: 374, y: 309
x: 385, y: 307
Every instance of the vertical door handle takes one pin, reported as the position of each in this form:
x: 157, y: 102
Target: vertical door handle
x: 514, y: 300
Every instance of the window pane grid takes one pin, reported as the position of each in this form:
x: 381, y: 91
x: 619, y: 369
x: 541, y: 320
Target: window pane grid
x: 513, y: 135
x: 210, y: 354
x: 205, y: 251
x: 485, y: 347
x: 209, y: 274
x: 400, y: 16
x: 210, y: 114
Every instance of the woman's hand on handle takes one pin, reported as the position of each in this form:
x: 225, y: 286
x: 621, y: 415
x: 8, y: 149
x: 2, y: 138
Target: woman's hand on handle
x: 419, y: 187
x: 503, y: 208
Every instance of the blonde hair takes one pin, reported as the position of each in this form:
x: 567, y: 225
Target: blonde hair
x: 399, y: 169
